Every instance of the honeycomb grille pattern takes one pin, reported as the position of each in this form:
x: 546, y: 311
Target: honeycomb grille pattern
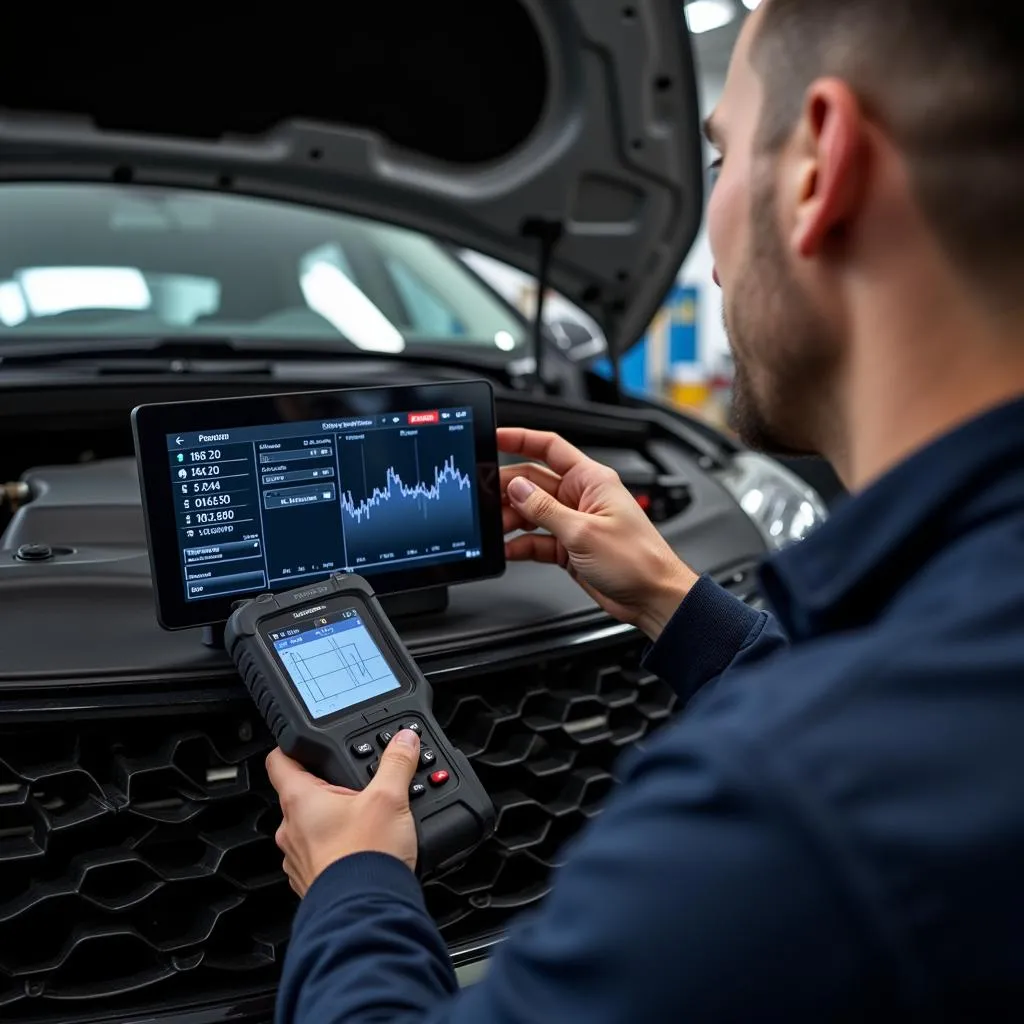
x: 137, y: 862
x: 545, y: 740
x: 137, y: 857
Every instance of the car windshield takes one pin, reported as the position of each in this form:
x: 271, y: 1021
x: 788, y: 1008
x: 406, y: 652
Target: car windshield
x: 112, y: 261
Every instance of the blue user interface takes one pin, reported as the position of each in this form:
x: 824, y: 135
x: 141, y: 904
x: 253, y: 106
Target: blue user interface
x: 335, y: 664
x: 262, y: 507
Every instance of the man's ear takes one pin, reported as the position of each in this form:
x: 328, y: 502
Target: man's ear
x: 829, y: 179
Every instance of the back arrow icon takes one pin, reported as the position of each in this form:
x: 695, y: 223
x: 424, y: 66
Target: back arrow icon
x: 178, y: 440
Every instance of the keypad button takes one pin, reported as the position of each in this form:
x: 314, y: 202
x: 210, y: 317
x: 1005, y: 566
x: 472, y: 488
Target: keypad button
x: 371, y: 769
x: 416, y: 789
x: 415, y: 727
x: 427, y: 758
x: 438, y: 778
x: 384, y: 737
x: 364, y: 749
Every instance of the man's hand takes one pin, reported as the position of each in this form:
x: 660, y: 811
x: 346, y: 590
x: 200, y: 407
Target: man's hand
x: 597, y: 530
x: 323, y: 823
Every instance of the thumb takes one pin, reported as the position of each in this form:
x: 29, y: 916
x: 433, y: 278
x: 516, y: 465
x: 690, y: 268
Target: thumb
x: 398, y: 763
x: 541, y: 508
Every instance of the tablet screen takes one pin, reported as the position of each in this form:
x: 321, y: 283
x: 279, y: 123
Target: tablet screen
x: 239, y: 500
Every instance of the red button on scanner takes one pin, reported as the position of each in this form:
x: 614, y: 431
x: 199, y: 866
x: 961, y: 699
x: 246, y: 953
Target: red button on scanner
x: 438, y: 778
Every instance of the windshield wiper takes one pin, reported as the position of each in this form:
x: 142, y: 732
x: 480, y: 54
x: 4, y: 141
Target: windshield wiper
x: 40, y: 351
x: 171, y: 355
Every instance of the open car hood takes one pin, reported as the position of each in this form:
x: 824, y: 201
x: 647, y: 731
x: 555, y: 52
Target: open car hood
x: 494, y: 125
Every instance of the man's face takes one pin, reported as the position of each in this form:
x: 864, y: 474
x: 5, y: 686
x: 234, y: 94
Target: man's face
x: 782, y: 347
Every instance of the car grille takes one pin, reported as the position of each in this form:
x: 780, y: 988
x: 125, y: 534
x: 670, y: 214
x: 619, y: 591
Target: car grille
x: 544, y: 740
x: 135, y: 856
x: 137, y: 863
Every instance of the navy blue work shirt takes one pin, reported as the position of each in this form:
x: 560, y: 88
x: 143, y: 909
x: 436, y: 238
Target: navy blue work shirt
x: 832, y: 831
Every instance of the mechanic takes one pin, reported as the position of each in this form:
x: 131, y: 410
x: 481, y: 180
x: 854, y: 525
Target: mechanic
x: 834, y: 828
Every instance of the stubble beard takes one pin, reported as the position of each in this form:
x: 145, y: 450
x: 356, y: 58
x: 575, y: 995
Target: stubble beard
x: 783, y: 350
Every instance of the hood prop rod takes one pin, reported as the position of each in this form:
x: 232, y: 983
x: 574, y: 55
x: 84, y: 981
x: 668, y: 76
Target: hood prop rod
x: 547, y: 233
x: 616, y: 364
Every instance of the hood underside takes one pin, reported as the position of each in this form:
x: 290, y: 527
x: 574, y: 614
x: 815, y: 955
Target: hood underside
x: 502, y: 126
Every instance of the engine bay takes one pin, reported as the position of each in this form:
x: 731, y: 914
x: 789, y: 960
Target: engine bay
x: 74, y: 551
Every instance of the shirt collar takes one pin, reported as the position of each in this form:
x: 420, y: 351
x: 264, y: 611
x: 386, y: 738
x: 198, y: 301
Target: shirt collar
x: 842, y: 574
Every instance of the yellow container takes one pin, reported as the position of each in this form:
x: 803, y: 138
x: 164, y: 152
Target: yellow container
x: 689, y: 394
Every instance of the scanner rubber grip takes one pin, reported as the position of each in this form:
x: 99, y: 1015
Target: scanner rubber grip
x: 446, y: 837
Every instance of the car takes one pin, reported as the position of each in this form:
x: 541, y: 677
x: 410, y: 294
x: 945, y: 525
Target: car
x: 227, y: 208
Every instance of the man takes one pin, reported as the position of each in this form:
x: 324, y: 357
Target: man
x: 834, y: 828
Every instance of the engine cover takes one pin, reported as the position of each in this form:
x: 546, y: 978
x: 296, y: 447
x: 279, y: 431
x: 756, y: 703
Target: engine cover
x: 95, y: 504
x: 95, y: 582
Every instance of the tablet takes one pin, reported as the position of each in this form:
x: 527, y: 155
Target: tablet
x: 248, y: 495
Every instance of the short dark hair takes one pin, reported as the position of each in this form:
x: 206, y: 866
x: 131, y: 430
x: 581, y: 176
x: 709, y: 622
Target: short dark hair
x: 945, y: 79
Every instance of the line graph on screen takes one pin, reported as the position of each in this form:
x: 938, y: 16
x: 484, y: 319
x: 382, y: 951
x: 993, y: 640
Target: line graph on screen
x: 408, y: 497
x: 329, y: 666
x: 446, y: 490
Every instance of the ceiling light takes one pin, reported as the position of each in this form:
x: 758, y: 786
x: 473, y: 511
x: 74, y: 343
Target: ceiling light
x: 53, y: 290
x: 707, y: 15
x: 13, y: 308
x: 330, y: 293
x: 751, y: 4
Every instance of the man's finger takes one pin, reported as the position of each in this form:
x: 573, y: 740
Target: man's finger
x: 540, y: 475
x: 398, y: 764
x: 540, y: 444
x: 292, y: 775
x: 511, y: 521
x: 532, y: 548
x: 538, y: 507
x: 285, y: 774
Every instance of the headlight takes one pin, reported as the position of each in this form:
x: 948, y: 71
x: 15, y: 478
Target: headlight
x: 782, y: 506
